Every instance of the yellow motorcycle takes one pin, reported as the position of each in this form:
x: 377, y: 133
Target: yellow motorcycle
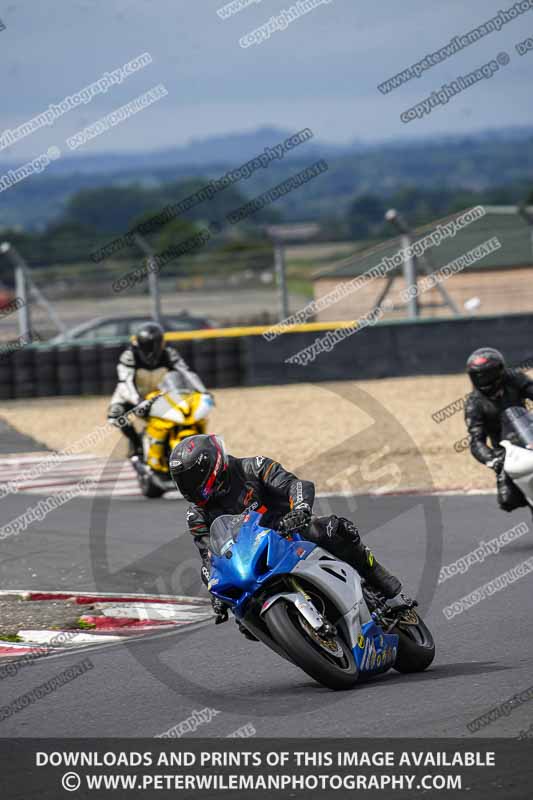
x: 177, y: 411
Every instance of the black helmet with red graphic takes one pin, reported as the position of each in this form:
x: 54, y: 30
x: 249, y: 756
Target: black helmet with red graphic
x: 199, y: 468
x: 486, y: 368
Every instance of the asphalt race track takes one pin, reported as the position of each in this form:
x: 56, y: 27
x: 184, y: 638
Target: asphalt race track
x: 144, y: 687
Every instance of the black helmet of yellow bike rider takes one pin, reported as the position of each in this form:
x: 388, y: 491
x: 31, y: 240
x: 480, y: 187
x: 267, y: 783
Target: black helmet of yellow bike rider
x: 150, y: 343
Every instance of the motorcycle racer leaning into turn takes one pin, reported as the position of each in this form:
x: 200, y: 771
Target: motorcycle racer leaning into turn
x: 140, y: 369
x: 495, y: 388
x: 216, y: 483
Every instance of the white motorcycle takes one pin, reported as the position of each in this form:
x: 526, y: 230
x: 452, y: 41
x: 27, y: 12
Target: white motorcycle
x: 517, y: 433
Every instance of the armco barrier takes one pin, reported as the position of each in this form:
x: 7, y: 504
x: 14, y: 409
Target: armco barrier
x: 243, y: 357
x: 389, y: 350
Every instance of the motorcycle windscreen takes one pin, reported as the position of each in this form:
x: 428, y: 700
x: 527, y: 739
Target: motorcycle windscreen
x: 175, y: 381
x: 517, y: 426
x: 224, y: 532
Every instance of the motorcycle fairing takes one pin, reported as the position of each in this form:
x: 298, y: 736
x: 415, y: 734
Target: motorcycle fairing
x: 372, y: 648
x: 375, y: 651
x: 261, y: 555
x: 518, y: 465
x: 173, y: 417
x: 182, y: 408
x: 155, y: 437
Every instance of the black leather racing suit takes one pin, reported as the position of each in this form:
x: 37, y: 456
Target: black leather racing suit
x: 136, y: 380
x: 483, y: 420
x: 260, y: 481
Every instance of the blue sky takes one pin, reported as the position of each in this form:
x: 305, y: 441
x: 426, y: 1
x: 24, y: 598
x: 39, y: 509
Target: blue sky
x: 321, y: 72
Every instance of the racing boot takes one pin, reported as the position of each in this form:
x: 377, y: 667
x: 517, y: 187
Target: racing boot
x: 375, y: 573
x: 134, y: 441
x: 381, y: 580
x: 362, y: 559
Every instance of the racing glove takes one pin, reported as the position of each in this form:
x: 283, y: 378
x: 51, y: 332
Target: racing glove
x: 296, y: 521
x: 205, y: 572
x: 496, y: 463
x: 220, y: 609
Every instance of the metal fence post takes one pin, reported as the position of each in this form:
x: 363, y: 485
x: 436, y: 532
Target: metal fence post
x: 25, y: 287
x: 153, y: 276
x: 281, y: 278
x: 21, y: 294
x: 409, y: 266
x: 409, y: 272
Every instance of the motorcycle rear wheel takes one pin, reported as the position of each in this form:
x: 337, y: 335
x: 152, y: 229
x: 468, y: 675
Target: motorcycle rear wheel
x: 335, y: 670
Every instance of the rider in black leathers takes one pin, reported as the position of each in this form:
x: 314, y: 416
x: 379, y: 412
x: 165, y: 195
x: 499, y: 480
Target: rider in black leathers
x: 495, y: 389
x: 217, y: 483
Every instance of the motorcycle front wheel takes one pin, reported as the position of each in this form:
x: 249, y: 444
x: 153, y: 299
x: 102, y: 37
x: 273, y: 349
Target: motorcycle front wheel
x: 148, y: 487
x: 328, y: 660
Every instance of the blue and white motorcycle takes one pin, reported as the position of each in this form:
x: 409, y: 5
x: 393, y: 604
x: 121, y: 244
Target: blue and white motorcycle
x: 310, y: 607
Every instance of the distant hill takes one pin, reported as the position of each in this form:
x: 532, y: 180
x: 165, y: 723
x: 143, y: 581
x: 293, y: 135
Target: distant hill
x: 224, y: 149
x: 488, y: 159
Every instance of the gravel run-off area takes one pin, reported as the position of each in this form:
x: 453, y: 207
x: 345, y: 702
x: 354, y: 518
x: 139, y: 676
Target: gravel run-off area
x: 338, y: 434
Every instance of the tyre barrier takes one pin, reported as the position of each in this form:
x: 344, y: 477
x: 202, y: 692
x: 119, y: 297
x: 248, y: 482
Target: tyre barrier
x: 203, y: 360
x: 386, y: 350
x: 46, y: 379
x: 68, y: 371
x: 185, y: 350
x: 24, y: 377
x: 109, y: 356
x: 91, y: 369
x: 6, y: 377
x: 228, y: 365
